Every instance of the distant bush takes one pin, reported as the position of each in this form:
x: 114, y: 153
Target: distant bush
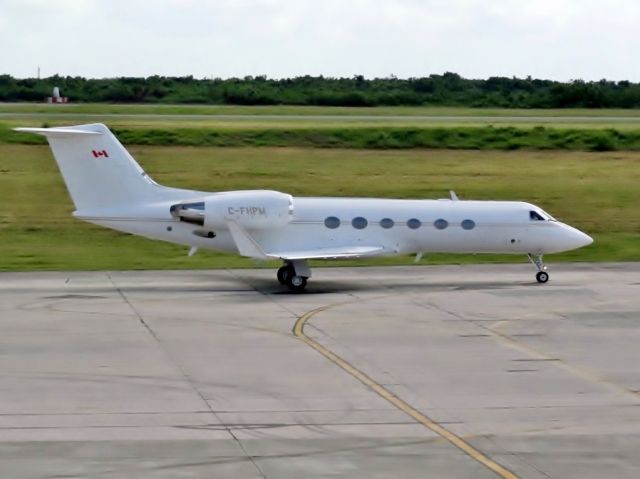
x: 602, y: 142
x: 448, y: 89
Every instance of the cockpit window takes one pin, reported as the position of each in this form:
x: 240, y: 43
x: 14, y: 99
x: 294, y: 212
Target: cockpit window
x: 535, y: 216
x: 548, y: 217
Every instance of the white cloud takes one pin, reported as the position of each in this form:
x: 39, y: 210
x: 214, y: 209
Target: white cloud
x: 560, y: 39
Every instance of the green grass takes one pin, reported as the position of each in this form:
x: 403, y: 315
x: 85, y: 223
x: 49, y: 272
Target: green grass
x: 293, y: 117
x: 597, y: 192
x: 147, y: 109
x: 479, y: 138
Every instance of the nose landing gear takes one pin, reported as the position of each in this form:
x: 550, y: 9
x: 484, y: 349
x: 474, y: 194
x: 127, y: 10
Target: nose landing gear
x: 536, y: 259
x: 542, y: 276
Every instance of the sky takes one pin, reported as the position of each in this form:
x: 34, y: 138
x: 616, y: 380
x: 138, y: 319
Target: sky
x: 550, y: 39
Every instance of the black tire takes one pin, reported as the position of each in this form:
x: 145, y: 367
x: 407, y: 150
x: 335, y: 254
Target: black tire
x: 542, y: 277
x: 283, y: 273
x: 296, y: 283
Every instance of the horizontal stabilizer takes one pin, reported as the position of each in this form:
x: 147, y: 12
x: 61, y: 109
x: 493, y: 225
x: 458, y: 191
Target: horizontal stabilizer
x: 57, y: 131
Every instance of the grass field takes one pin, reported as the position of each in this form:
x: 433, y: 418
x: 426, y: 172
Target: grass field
x: 597, y: 192
x: 477, y: 138
x: 167, y: 122
x: 151, y: 109
x: 260, y: 117
x: 326, y: 127
x: 138, y: 109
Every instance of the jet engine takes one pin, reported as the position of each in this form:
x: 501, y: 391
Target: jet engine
x: 259, y: 209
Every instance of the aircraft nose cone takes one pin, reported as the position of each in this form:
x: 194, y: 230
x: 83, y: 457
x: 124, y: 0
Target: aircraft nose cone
x: 586, y: 239
x: 578, y: 238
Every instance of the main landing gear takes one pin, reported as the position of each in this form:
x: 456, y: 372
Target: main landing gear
x: 294, y: 274
x: 541, y: 276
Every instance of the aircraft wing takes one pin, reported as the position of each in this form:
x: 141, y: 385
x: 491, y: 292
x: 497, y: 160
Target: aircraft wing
x: 248, y: 246
x: 343, y: 252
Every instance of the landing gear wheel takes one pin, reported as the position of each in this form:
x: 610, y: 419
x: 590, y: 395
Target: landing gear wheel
x: 542, y: 276
x: 296, y: 283
x: 284, y: 273
x: 536, y: 259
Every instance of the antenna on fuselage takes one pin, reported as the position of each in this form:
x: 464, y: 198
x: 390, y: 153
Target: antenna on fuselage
x: 454, y: 197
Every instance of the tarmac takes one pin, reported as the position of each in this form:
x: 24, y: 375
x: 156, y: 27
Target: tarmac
x: 396, y: 372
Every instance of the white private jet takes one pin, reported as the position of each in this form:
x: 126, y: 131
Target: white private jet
x: 110, y: 189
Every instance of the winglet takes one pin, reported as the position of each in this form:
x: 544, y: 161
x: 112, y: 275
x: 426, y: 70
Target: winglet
x: 454, y: 197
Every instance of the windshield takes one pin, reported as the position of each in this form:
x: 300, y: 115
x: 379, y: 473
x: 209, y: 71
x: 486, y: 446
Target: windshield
x: 547, y: 216
x: 539, y: 215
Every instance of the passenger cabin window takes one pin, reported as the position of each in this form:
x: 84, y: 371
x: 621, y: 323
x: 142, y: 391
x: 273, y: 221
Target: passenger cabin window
x: 332, y: 222
x: 535, y: 216
x: 468, y: 224
x: 414, y: 223
x: 359, y: 223
x: 386, y: 223
x: 440, y: 223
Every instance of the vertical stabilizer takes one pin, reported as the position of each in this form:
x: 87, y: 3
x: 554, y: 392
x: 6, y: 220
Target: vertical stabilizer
x: 99, y: 172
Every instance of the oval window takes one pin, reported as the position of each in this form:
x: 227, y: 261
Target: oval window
x: 332, y: 222
x: 386, y: 223
x: 468, y: 224
x: 414, y: 224
x: 359, y: 223
x: 440, y: 223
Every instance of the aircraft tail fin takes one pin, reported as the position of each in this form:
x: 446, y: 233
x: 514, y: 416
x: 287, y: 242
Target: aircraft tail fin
x: 99, y: 172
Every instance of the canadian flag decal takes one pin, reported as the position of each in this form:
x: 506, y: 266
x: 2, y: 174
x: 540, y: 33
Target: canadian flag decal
x: 100, y: 153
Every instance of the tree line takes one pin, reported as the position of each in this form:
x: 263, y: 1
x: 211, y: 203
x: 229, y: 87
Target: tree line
x: 449, y: 89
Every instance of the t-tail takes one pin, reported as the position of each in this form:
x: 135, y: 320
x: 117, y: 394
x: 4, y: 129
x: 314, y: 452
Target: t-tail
x: 99, y: 172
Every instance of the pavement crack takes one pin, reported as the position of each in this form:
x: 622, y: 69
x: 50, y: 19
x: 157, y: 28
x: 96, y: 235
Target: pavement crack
x: 186, y: 376
x: 537, y: 355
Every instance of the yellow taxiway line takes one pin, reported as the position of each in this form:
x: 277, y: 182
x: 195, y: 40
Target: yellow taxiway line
x: 457, y: 441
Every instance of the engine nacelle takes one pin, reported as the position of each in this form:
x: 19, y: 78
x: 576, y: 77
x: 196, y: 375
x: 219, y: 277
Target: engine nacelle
x: 259, y: 209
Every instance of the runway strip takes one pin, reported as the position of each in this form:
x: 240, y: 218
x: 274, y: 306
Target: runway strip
x: 516, y: 379
x: 298, y: 331
x: 324, y: 118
